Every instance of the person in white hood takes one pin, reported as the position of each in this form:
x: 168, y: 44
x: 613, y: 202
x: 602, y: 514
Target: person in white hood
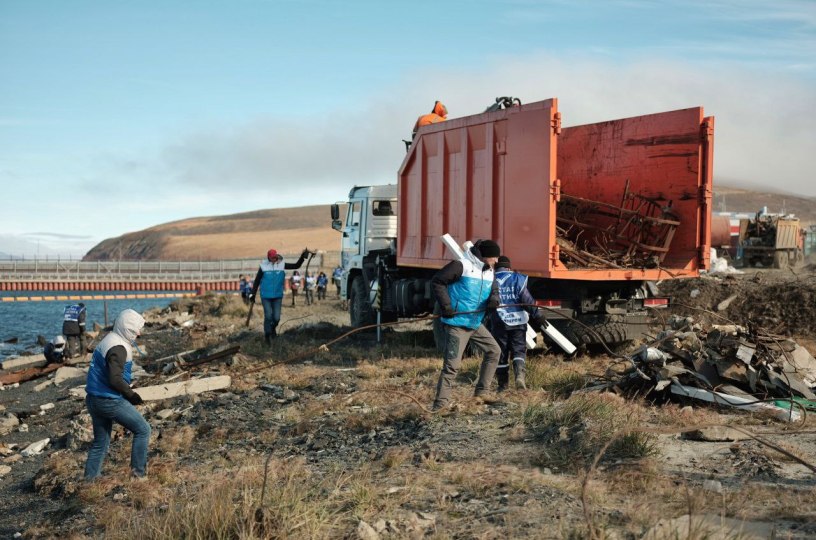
x: 110, y: 398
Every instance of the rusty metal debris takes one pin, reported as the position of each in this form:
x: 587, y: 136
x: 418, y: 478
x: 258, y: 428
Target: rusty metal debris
x: 722, y: 364
x: 635, y: 233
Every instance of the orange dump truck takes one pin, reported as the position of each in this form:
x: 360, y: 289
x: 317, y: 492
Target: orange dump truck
x: 594, y: 214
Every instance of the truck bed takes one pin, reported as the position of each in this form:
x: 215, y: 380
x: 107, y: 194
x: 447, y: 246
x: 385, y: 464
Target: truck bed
x: 516, y: 176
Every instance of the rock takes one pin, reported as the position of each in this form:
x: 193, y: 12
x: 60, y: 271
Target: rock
x: 380, y: 525
x: 23, y: 428
x: 42, y: 386
x: 4, y: 470
x: 722, y: 306
x: 35, y: 448
x: 118, y: 496
x: 67, y: 373
x: 8, y: 423
x: 716, y: 434
x: 714, y: 486
x: 77, y: 392
x: 47, y: 406
x: 12, y: 459
x: 366, y: 531
x: 695, y: 293
x: 80, y: 432
x: 164, y: 414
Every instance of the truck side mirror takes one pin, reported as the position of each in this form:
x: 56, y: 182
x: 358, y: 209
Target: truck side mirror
x: 337, y: 224
x: 335, y: 213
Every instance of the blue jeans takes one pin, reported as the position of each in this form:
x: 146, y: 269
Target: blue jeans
x: 272, y: 312
x: 104, y: 412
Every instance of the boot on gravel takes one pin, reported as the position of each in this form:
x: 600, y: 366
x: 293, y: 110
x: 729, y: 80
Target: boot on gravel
x: 518, y: 368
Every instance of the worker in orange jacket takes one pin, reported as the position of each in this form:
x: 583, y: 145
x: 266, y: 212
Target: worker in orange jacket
x: 438, y: 114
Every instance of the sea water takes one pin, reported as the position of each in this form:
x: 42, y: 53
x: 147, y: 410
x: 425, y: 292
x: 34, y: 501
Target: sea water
x: 26, y: 320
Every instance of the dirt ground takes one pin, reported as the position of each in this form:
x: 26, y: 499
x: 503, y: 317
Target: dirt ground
x: 338, y: 441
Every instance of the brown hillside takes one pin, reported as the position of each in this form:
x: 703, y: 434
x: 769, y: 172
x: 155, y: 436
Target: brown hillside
x: 245, y: 235
x: 250, y: 234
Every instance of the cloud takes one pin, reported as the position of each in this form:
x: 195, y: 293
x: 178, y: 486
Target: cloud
x: 56, y: 236
x: 764, y: 131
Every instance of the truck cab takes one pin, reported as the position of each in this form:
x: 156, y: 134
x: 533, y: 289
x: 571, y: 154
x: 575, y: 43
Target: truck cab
x: 369, y: 229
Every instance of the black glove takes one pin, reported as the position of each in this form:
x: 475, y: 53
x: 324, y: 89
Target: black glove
x: 492, y: 304
x: 447, y: 312
x: 305, y: 253
x: 135, y: 399
x: 540, y: 322
x: 251, y: 298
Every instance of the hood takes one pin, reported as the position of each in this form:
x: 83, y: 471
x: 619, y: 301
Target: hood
x: 440, y: 109
x: 128, y: 325
x: 474, y: 259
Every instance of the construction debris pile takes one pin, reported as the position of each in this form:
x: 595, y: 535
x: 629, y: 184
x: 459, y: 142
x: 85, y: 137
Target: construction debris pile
x: 637, y: 233
x: 725, y: 364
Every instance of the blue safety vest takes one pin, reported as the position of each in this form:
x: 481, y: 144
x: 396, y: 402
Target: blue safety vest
x: 272, y: 279
x: 511, y: 284
x: 72, y: 313
x: 470, y: 293
x: 97, y: 383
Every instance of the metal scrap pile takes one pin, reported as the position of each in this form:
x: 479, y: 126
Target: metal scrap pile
x: 636, y: 233
x: 724, y: 364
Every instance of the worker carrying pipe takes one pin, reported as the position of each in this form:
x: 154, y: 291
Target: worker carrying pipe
x: 509, y: 323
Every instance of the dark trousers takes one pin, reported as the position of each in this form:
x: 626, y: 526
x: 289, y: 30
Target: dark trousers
x: 321, y: 293
x: 512, y: 341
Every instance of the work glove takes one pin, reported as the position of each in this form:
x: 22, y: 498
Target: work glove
x: 540, y: 322
x: 305, y: 253
x: 447, y: 312
x: 251, y: 298
x: 135, y: 399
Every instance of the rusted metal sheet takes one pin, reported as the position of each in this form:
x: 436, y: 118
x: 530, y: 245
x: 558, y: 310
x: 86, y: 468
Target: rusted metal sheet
x: 483, y: 176
x: 665, y: 158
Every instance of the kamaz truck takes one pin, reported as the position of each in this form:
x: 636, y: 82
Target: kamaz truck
x: 595, y: 215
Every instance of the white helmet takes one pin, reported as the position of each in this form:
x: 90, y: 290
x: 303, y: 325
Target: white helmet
x: 58, y: 341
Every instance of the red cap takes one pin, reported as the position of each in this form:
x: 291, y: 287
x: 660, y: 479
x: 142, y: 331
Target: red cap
x: 271, y: 255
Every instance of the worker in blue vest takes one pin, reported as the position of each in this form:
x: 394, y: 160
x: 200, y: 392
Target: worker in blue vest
x: 73, y: 328
x: 111, y: 399
x: 465, y: 290
x: 270, y: 279
x: 509, y: 323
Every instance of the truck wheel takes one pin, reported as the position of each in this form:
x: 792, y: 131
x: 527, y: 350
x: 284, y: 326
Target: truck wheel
x: 360, y: 310
x: 780, y: 260
x: 612, y: 332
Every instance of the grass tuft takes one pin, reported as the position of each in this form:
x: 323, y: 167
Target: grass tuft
x: 575, y: 430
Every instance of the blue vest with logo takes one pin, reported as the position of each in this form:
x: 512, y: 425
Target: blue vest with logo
x: 97, y: 383
x: 272, y: 279
x: 470, y: 293
x: 510, y: 286
x: 72, y: 312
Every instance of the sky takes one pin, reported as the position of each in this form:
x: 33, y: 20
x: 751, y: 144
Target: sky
x: 116, y: 116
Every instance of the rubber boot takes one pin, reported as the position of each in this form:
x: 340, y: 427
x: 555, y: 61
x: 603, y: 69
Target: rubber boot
x: 268, y: 339
x: 518, y: 368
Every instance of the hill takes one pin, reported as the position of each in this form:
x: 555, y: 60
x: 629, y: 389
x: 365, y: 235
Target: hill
x: 250, y: 234
x: 235, y: 236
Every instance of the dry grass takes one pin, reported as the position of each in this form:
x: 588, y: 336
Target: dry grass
x: 574, y: 431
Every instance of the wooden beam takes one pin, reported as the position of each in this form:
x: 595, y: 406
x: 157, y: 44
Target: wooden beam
x: 22, y: 362
x: 27, y: 374
x: 194, y: 386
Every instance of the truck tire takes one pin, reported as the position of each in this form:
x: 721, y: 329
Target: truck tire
x: 613, y: 332
x: 780, y: 260
x: 360, y: 310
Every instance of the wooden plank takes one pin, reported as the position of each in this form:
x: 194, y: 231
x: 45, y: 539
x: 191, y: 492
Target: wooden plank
x: 195, y: 386
x: 27, y: 374
x: 22, y: 362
